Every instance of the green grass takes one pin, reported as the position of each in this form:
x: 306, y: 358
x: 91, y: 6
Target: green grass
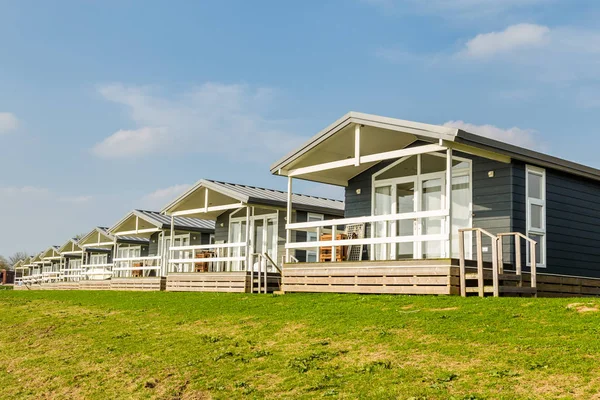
x: 98, y: 345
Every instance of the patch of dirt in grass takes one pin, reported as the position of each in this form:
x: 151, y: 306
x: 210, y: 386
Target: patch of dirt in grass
x: 556, y: 386
x: 443, y: 309
x: 583, y: 307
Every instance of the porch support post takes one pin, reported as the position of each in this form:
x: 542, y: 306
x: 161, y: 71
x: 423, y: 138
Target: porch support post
x: 357, y: 145
x: 288, y: 219
x: 449, y: 202
x: 114, y: 255
x: 248, y: 256
x: 172, y: 240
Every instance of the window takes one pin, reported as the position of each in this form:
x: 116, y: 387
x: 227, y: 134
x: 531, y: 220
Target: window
x: 311, y: 255
x: 98, y: 259
x: 536, y: 212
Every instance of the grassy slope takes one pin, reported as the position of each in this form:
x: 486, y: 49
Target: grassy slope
x: 184, y: 345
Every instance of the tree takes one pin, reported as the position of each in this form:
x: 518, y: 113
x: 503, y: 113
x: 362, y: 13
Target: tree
x: 18, y: 256
x: 4, y: 263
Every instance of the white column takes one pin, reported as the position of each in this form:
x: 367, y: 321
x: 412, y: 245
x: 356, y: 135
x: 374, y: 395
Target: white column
x: 288, y: 219
x: 449, y: 201
x: 248, y: 256
x: 172, y: 240
x: 357, y: 145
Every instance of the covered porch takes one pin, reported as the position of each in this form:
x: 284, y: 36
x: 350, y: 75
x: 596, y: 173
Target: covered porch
x: 241, y: 255
x: 72, y: 255
x: 51, y: 262
x: 409, y: 212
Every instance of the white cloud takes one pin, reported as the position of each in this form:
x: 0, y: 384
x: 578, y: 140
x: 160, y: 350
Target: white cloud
x: 214, y: 117
x: 8, y: 122
x: 515, y: 37
x: 76, y: 199
x: 125, y: 143
x: 517, y: 136
x: 159, y: 198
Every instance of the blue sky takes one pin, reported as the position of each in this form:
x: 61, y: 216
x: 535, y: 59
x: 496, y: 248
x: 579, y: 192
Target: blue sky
x: 108, y: 105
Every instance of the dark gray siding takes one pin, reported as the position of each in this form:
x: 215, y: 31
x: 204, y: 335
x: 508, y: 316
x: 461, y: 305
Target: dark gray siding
x: 222, y: 232
x: 492, y: 201
x: 572, y: 225
x: 153, y: 248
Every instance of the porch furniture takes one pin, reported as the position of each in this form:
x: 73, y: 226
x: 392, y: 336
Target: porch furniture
x: 341, y: 252
x: 355, y: 231
x: 137, y: 273
x: 203, y: 266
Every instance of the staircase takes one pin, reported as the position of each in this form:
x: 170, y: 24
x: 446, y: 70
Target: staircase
x: 495, y: 281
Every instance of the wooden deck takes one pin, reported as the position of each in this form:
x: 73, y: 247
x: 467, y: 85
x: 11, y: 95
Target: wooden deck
x: 93, y: 284
x: 393, y: 277
x: 138, y: 284
x: 233, y: 282
x: 419, y: 277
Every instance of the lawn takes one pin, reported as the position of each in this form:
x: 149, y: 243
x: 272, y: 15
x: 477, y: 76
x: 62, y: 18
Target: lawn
x: 98, y: 345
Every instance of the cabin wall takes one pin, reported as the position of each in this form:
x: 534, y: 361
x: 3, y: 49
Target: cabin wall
x: 572, y: 224
x: 153, y: 248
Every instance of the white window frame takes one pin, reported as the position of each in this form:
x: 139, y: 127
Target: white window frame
x: 315, y: 217
x: 253, y: 218
x: 529, y: 201
x: 102, y: 258
x: 419, y: 177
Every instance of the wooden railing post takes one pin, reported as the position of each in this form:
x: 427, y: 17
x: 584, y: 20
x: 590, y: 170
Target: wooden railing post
x: 333, y: 238
x: 518, y: 259
x: 495, y: 268
x: 500, y: 255
x: 480, y: 265
x: 461, y: 263
x: 533, y: 265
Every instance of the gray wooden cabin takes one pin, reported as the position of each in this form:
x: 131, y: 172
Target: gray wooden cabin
x: 144, y: 267
x: 421, y: 188
x: 249, y: 236
x: 99, y: 245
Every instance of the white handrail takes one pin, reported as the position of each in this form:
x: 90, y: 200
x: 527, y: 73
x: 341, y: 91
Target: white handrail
x: 379, y: 240
x: 149, y: 258
x: 207, y: 246
x: 371, y: 218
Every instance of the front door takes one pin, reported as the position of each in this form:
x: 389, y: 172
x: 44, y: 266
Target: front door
x: 263, y: 239
x: 404, y: 196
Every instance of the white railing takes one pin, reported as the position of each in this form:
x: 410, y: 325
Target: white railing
x: 136, y: 263
x: 261, y: 267
x: 321, y: 227
x: 93, y: 271
x: 221, y: 257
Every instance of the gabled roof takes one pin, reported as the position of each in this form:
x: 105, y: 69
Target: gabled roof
x: 27, y: 262
x: 400, y: 134
x: 252, y: 195
x: 160, y: 221
x: 50, y: 253
x: 101, y: 234
x: 71, y: 246
x: 36, y: 258
x: 18, y: 264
